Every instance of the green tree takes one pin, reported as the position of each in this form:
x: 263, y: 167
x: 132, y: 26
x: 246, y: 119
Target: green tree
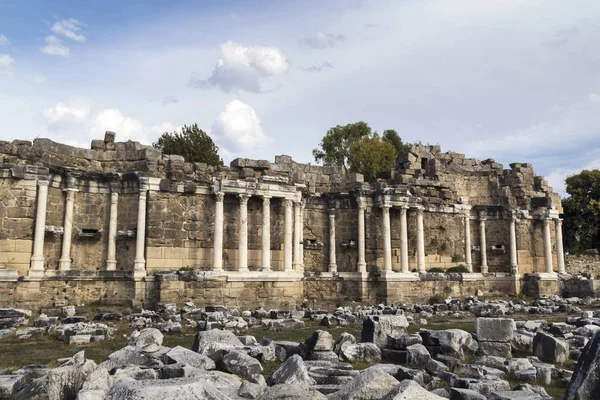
x: 358, y: 149
x: 372, y: 157
x: 337, y: 143
x: 390, y: 135
x: 582, y: 211
x: 192, y: 143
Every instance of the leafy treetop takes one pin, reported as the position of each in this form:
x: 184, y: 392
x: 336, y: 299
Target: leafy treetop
x: 192, y: 143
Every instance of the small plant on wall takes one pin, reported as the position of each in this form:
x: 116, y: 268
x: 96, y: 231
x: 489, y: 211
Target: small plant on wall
x: 458, y: 258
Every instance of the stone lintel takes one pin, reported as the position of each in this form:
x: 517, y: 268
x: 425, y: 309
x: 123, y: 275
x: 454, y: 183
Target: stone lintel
x: 392, y: 276
x: 546, y: 276
x: 9, y: 275
x: 259, y: 276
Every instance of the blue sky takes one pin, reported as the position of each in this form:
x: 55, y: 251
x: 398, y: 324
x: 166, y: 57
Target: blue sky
x: 517, y: 81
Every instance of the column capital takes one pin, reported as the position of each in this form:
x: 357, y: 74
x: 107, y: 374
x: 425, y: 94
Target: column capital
x: 70, y: 189
x: 361, y: 201
x: 331, y: 212
x: 114, y: 198
x: 144, y: 184
x: 244, y: 198
x: 482, y: 214
x: 558, y: 221
x: 288, y: 202
x: 43, y: 183
x: 220, y: 196
x: 266, y: 200
x: 385, y: 208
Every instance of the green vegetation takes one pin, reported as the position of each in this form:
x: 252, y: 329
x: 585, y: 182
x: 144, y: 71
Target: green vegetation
x: 358, y: 149
x: 582, y: 211
x: 436, y: 269
x: 458, y: 258
x: 461, y: 269
x: 192, y: 143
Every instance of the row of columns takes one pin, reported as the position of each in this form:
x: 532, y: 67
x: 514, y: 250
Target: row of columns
x: 292, y: 234
x: 404, y: 262
x: 37, y: 258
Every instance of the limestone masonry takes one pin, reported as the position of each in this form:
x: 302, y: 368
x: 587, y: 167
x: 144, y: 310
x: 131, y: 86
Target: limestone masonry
x: 123, y: 222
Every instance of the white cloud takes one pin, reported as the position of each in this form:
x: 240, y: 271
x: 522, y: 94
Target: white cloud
x: 556, y: 179
x: 64, y: 116
x: 318, y: 67
x: 595, y: 97
x: 5, y: 62
x: 239, y: 127
x: 69, y: 28
x: 55, y: 47
x: 4, y: 41
x: 128, y: 128
x: 321, y: 40
x: 243, y: 68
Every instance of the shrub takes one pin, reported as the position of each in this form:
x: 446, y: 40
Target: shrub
x: 437, y: 269
x: 186, y: 269
x: 461, y: 269
x: 458, y: 258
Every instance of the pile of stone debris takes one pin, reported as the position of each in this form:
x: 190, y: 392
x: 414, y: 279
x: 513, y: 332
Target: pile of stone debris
x: 222, y: 364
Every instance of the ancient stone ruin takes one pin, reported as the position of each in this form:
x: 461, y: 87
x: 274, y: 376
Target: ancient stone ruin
x: 122, y: 221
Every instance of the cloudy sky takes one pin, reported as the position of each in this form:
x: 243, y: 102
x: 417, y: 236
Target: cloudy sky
x: 513, y: 80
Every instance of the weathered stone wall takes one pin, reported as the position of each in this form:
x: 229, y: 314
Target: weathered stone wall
x: 180, y: 221
x: 584, y: 264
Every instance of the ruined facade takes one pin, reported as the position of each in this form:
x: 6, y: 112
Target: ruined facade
x: 121, y: 221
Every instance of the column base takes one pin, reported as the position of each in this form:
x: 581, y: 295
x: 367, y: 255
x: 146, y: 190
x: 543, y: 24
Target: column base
x: 64, y: 265
x: 484, y: 269
x: 111, y: 265
x: 361, y: 267
x: 36, y: 269
x: 139, y: 269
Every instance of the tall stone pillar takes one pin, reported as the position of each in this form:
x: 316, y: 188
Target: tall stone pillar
x: 296, y: 262
x: 243, y: 234
x: 361, y: 265
x: 332, y: 259
x: 301, y: 255
x: 64, y: 264
x: 482, y: 244
x: 266, y: 234
x: 218, y: 233
x: 514, y: 266
x: 287, y: 236
x: 387, y: 239
x: 468, y: 260
x: 36, y: 269
x: 420, y: 242
x: 111, y: 259
x: 547, y: 246
x: 404, y: 241
x: 139, y: 263
x: 560, y: 255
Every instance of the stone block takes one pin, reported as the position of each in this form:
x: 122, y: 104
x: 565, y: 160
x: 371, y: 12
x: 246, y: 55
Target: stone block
x: 550, y: 349
x: 495, y: 329
x: 497, y: 349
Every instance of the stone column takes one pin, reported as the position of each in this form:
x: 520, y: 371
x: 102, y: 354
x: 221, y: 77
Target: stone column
x: 547, y: 246
x: 287, y: 236
x: 514, y: 266
x: 332, y: 260
x: 404, y: 241
x: 482, y: 242
x: 36, y: 270
x: 361, y: 265
x: 139, y: 263
x: 420, y: 242
x: 560, y: 254
x: 468, y: 260
x: 301, y: 255
x: 64, y: 263
x: 266, y: 234
x: 218, y: 234
x: 296, y: 262
x: 387, y: 239
x: 111, y: 260
x: 243, y: 234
